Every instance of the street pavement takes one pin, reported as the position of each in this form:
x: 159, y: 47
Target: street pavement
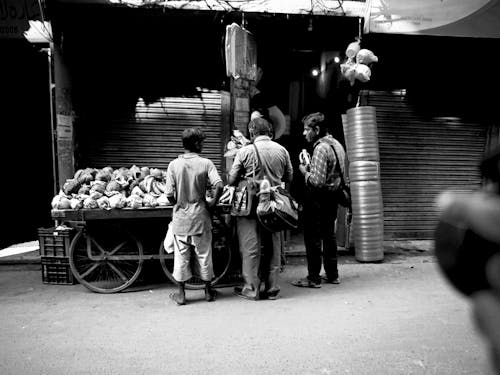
x: 399, y: 316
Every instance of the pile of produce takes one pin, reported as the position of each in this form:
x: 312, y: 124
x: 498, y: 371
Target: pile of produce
x: 109, y: 188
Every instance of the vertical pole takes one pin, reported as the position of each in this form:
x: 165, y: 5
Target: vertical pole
x: 65, y: 145
x: 52, y: 119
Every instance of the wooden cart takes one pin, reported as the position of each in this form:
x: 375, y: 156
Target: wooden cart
x: 109, y: 247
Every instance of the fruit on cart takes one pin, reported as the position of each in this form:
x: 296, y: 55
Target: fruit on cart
x: 134, y: 201
x: 104, y: 203
x: 137, y: 191
x: 60, y: 201
x: 90, y: 203
x: 95, y: 195
x: 71, y: 186
x: 117, y: 201
x: 114, y: 186
x: 149, y: 201
x: 148, y: 183
x: 135, y: 172
x: 103, y: 175
x: 84, y: 189
x: 75, y: 203
x: 156, y: 173
x: 91, y: 184
x: 99, y: 186
x: 163, y: 200
x: 144, y: 172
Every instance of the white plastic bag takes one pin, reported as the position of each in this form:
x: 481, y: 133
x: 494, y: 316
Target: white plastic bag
x: 168, y: 242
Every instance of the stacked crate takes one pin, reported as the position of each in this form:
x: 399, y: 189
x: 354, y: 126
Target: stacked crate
x: 54, y: 255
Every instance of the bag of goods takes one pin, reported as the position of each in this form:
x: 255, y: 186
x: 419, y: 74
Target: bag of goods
x: 90, y: 203
x: 348, y: 70
x: 365, y: 56
x: 61, y: 202
x: 277, y: 209
x: 352, y: 49
x: 362, y: 73
x: 104, y: 203
x: 117, y: 201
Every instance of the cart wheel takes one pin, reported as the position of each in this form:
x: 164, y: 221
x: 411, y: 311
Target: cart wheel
x: 221, y: 257
x: 105, y: 258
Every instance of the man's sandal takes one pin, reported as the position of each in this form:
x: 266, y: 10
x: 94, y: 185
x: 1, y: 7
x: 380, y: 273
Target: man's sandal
x: 306, y: 283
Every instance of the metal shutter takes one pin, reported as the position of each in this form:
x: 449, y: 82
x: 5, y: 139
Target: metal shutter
x: 153, y: 137
x: 420, y: 156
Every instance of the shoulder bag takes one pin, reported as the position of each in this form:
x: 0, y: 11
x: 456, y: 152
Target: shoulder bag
x: 343, y: 192
x: 277, y: 209
x: 245, y: 196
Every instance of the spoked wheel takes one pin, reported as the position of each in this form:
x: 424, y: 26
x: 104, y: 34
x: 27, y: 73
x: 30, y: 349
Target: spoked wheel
x: 221, y: 256
x: 105, y: 258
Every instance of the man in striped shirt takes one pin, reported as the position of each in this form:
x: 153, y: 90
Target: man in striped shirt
x: 321, y: 178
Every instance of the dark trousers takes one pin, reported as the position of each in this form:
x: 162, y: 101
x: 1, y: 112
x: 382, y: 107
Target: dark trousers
x: 320, y: 212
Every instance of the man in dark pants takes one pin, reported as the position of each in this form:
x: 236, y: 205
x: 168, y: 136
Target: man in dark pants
x: 320, y: 207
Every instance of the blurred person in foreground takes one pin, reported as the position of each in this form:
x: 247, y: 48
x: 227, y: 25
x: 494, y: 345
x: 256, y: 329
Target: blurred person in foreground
x: 468, y: 249
x: 321, y: 178
x: 187, y: 179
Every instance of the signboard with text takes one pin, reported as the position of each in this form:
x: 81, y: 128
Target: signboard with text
x: 15, y: 16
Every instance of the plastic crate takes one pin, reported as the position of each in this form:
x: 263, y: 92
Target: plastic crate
x: 54, y: 243
x: 56, y: 270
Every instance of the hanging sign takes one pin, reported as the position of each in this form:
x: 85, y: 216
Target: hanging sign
x: 15, y: 16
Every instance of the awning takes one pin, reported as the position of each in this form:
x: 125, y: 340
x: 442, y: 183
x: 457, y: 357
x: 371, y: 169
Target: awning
x: 463, y: 18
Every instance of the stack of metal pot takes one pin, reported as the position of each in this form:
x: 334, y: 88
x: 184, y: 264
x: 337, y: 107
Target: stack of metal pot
x: 360, y: 132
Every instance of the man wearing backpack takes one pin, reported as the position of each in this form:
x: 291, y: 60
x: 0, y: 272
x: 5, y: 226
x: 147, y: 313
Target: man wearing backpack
x: 321, y: 178
x: 251, y: 235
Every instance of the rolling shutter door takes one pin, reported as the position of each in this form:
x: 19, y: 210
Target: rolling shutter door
x: 153, y: 137
x: 419, y: 158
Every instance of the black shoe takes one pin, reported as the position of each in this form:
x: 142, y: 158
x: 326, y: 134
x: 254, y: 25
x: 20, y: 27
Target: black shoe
x: 271, y: 296
x: 330, y: 281
x: 210, y: 295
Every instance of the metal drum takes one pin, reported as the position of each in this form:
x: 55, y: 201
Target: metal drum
x: 368, y: 220
x: 364, y: 171
x: 361, y: 134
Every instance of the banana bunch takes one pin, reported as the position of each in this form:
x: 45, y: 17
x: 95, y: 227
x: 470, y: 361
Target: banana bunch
x: 152, y: 185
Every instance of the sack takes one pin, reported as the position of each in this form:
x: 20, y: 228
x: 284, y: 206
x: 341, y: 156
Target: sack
x: 277, y: 209
x: 244, y: 198
x: 343, y: 194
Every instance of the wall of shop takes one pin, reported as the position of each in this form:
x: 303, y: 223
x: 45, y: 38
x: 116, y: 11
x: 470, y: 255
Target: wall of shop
x: 26, y: 153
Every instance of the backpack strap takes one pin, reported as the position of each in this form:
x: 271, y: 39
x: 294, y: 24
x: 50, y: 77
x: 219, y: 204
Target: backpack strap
x: 263, y: 167
x: 338, y: 163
